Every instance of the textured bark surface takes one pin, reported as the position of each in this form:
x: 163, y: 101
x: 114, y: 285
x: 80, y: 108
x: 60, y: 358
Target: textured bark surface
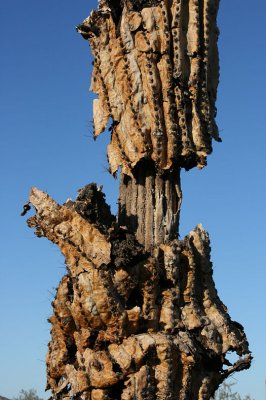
x: 156, y: 73
x: 128, y: 324
x: 137, y: 315
x: 149, y: 204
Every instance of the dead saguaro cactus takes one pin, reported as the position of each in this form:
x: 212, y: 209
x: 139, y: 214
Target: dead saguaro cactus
x: 129, y: 324
x: 137, y: 315
x: 156, y: 75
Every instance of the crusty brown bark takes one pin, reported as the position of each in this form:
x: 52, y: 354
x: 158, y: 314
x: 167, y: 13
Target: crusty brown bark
x: 128, y: 324
x: 156, y: 72
x: 137, y: 315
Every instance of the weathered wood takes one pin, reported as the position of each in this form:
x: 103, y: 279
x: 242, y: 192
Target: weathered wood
x: 156, y: 72
x: 137, y: 315
x: 127, y: 324
x: 149, y: 204
x: 152, y: 75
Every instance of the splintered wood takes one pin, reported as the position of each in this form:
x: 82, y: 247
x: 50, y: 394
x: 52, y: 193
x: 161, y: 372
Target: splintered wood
x: 128, y: 324
x: 156, y: 73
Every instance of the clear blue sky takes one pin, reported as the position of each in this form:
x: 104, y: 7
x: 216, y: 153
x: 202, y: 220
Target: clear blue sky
x: 46, y: 142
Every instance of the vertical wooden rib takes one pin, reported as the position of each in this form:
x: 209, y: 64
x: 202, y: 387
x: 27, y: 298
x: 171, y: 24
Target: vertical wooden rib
x: 141, y: 211
x: 195, y: 44
x: 133, y: 209
x: 149, y: 211
x: 149, y: 205
x: 181, y: 73
x: 206, y: 113
x: 180, y: 12
x: 159, y: 218
x: 171, y: 200
x: 212, y: 62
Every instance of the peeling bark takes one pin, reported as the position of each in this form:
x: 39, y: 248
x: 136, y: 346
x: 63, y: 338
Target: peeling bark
x: 156, y: 72
x: 129, y: 324
x: 137, y: 315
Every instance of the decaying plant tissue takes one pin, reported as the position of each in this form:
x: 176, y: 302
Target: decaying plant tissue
x: 137, y: 315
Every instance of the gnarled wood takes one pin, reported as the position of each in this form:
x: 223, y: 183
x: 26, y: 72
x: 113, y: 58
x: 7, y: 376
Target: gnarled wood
x: 137, y: 315
x: 128, y: 324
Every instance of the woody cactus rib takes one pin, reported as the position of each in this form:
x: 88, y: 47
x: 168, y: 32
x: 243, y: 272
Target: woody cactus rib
x: 156, y: 74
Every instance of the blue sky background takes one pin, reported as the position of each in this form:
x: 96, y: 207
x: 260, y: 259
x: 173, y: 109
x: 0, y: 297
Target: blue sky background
x: 46, y: 142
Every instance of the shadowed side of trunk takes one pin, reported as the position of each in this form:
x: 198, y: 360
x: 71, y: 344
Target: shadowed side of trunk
x: 149, y: 204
